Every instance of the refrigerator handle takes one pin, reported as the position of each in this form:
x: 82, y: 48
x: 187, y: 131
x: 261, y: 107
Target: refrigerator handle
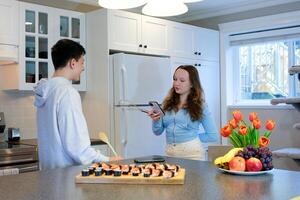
x: 124, y: 136
x: 124, y: 86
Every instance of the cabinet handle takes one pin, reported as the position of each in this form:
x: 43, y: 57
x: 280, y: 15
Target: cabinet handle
x: 145, y: 46
x: 140, y: 45
x: 196, y: 53
x: 199, y: 53
x: 196, y: 65
x: 199, y: 65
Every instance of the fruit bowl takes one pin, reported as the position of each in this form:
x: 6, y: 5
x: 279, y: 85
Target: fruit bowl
x: 245, y: 173
x: 249, y: 160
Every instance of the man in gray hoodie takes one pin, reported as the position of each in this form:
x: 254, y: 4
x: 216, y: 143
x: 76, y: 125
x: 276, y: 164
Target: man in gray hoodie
x: 63, y: 137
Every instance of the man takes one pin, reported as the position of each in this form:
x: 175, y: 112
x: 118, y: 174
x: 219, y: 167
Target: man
x: 63, y: 138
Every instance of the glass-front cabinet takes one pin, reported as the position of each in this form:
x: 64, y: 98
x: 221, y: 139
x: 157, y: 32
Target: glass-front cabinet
x: 71, y: 26
x: 41, y: 27
x: 35, y: 40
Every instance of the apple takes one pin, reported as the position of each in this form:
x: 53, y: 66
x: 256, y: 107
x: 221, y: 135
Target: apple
x: 253, y: 165
x: 237, y: 164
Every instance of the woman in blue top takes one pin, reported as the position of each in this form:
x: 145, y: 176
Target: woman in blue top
x: 185, y: 110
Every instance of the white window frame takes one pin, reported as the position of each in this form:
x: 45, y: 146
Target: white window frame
x: 254, y: 24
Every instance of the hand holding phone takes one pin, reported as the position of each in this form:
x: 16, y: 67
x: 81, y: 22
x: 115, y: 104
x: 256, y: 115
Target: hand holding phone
x: 156, y: 108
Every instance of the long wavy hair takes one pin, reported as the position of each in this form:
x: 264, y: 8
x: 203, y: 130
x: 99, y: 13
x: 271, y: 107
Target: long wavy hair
x: 195, y: 100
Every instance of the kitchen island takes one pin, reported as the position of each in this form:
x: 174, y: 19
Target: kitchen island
x: 203, y: 181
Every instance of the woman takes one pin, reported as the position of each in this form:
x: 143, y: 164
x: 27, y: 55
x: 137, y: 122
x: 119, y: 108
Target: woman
x: 185, y: 110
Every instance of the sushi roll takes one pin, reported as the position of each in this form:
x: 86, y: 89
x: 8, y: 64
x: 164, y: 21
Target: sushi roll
x: 149, y: 166
x: 135, y: 171
x: 114, y: 166
x: 147, y: 172
x: 105, y: 166
x: 85, y: 172
x: 117, y: 172
x: 91, y: 170
x: 168, y: 174
x: 157, y: 172
x: 125, y: 169
x: 98, y: 171
x: 108, y: 172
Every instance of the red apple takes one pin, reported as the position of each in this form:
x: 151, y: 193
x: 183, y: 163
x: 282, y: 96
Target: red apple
x: 237, y: 164
x: 253, y: 165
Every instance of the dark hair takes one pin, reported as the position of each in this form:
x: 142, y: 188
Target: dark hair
x: 195, y: 99
x: 64, y: 50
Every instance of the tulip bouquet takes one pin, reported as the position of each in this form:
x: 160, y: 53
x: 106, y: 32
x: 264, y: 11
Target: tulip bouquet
x: 241, y: 134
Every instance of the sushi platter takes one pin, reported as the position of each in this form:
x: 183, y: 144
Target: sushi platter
x: 154, y: 173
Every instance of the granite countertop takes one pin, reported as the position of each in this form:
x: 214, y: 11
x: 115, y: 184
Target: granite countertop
x: 33, y: 142
x: 202, y: 181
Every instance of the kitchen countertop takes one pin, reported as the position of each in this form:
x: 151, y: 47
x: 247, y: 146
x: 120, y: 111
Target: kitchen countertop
x: 33, y: 142
x: 203, y: 181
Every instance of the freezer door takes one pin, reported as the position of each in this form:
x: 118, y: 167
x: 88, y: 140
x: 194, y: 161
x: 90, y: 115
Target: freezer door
x: 140, y: 79
x: 134, y: 136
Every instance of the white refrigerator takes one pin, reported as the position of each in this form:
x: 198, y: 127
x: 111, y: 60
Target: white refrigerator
x: 137, y: 80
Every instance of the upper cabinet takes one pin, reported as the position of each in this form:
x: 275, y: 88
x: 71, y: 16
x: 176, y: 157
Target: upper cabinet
x: 194, y: 42
x: 40, y: 28
x: 131, y: 32
x: 9, y: 18
x: 71, y: 25
x: 137, y: 33
x: 35, y: 40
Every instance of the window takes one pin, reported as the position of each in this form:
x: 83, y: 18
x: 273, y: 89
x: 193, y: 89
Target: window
x: 262, y: 70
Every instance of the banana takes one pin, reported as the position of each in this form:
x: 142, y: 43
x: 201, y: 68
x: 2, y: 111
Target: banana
x: 223, y: 160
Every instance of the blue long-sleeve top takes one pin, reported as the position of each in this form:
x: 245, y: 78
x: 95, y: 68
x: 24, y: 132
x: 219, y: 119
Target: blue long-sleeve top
x: 180, y: 128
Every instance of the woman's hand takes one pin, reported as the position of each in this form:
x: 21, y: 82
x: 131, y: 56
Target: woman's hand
x: 154, y: 116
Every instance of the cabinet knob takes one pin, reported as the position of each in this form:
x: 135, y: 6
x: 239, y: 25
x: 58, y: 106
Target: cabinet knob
x: 196, y: 65
x: 196, y: 53
x: 199, y: 53
x: 145, y: 46
x: 140, y: 45
x: 199, y: 65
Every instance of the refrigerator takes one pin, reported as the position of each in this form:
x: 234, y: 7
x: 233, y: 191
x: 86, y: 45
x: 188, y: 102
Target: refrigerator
x: 138, y: 79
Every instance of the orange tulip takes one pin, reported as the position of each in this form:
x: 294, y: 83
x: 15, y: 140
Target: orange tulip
x: 226, y: 131
x: 237, y: 115
x: 252, y: 116
x: 263, y: 141
x: 243, y: 130
x: 256, y: 123
x: 233, y: 123
x: 270, y: 124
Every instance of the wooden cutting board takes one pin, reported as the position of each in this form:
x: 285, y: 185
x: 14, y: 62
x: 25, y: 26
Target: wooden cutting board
x: 128, y: 179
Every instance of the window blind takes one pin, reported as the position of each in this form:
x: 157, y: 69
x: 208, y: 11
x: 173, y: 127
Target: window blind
x: 267, y: 35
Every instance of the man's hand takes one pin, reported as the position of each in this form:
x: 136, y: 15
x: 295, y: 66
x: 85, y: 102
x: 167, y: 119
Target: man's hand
x: 115, y: 158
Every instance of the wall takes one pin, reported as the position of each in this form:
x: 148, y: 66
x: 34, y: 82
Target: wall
x: 284, y: 135
x: 19, y: 111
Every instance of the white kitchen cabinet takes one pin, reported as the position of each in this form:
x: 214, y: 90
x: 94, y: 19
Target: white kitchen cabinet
x: 35, y: 44
x: 194, y: 42
x: 132, y: 32
x: 9, y: 22
x: 40, y: 28
x: 183, y: 42
x: 209, y: 74
x: 207, y: 44
x: 71, y: 25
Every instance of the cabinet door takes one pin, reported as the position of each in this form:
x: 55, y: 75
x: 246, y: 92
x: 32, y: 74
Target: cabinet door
x: 9, y: 22
x: 210, y: 82
x: 207, y: 44
x: 155, y: 36
x: 35, y: 45
x: 70, y: 25
x: 124, y: 31
x: 183, y: 41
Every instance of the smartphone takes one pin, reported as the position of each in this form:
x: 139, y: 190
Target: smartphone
x: 156, y: 107
x: 149, y: 159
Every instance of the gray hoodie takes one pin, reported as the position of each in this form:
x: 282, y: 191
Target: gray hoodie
x: 63, y: 137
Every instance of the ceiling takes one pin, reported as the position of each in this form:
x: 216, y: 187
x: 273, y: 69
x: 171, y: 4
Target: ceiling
x: 197, y: 11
